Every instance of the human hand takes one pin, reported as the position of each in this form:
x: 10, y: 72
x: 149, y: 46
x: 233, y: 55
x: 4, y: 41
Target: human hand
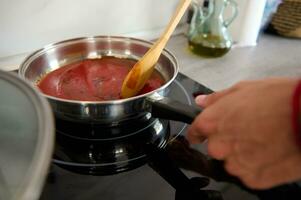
x: 249, y: 127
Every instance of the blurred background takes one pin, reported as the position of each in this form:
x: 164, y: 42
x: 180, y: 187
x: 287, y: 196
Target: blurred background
x: 27, y: 25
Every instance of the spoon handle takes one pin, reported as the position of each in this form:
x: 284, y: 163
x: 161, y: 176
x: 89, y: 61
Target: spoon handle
x: 142, y: 70
x: 155, y: 51
x: 181, y: 8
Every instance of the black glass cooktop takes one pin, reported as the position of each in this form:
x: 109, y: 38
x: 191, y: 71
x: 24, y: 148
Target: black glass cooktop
x: 151, y: 160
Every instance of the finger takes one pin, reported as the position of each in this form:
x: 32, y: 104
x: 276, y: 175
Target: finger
x: 194, y: 137
x: 203, y: 125
x: 200, y: 100
x: 207, y: 100
x: 220, y: 146
x: 234, y: 168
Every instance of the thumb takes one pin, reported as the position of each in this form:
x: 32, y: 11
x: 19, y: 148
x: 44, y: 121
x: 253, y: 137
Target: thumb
x: 207, y: 100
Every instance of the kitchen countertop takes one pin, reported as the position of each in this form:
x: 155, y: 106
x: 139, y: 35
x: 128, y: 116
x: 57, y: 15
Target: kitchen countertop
x: 273, y: 56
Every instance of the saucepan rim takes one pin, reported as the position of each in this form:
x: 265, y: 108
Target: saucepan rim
x: 26, y: 63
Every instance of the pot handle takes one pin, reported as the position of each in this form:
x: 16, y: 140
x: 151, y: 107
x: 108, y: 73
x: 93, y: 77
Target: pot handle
x: 186, y: 188
x: 166, y: 108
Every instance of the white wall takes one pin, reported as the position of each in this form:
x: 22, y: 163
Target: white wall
x: 27, y: 25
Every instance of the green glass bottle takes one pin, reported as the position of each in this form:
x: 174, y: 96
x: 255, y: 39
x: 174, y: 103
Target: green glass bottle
x: 208, y: 35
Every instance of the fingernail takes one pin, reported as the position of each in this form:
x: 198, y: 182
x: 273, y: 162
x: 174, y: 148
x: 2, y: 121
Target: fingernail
x: 200, y: 100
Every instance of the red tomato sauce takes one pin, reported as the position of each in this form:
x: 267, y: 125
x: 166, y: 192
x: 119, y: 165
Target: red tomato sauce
x: 93, y: 80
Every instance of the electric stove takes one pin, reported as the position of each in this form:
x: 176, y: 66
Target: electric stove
x: 148, y: 158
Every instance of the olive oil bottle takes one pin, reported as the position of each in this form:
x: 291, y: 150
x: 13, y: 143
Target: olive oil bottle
x: 208, y: 35
x: 209, y: 46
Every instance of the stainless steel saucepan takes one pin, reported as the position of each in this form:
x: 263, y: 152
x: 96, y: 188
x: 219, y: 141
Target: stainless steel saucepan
x: 112, y: 112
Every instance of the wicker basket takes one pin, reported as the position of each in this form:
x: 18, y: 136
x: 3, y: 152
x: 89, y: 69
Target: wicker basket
x: 287, y: 20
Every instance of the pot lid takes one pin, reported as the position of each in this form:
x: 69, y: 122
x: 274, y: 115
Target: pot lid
x: 26, y: 139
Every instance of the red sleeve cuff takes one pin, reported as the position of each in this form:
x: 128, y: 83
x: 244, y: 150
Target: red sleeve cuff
x: 296, y: 113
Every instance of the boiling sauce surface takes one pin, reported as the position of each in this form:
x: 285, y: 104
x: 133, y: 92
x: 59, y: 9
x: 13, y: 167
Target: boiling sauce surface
x: 93, y: 80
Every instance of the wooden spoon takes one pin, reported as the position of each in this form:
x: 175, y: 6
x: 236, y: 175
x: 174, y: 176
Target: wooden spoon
x: 142, y: 70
